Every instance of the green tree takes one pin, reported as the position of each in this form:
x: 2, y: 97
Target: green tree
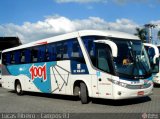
x: 141, y: 33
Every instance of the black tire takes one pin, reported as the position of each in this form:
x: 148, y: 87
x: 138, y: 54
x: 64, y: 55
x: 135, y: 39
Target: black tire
x: 83, y: 94
x: 18, y: 88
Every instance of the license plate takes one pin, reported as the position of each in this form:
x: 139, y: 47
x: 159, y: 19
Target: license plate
x: 140, y: 93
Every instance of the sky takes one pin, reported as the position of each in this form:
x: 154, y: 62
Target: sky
x: 32, y: 20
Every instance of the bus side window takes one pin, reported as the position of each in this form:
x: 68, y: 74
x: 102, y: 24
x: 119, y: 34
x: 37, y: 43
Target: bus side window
x: 41, y: 54
x: 34, y: 54
x: 22, y: 56
x: 50, y: 52
x: 53, y: 53
x: 69, y: 48
x: 17, y: 57
x: 8, y: 58
x: 90, y: 47
x: 60, y: 51
x: 103, y: 59
x: 4, y: 58
x: 64, y: 52
x: 27, y: 54
x: 12, y: 58
x: 77, y: 52
x: 102, y: 62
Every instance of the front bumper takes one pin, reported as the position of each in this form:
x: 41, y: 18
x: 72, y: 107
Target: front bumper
x: 124, y: 93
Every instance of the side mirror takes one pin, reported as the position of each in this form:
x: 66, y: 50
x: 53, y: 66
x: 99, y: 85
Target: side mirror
x: 155, y: 66
x: 111, y: 44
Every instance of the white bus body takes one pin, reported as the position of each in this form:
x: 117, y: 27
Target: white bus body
x: 87, y: 63
x: 153, y: 54
x: 0, y: 67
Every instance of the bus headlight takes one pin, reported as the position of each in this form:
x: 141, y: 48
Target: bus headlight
x: 118, y: 83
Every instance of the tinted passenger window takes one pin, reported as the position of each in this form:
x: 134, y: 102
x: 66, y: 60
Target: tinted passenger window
x: 63, y: 50
x: 34, y: 55
x: 103, y: 57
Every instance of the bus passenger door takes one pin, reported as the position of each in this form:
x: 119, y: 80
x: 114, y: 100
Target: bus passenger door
x: 104, y: 64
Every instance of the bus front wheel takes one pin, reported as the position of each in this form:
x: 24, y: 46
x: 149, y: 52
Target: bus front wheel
x: 84, y: 93
x: 18, y: 88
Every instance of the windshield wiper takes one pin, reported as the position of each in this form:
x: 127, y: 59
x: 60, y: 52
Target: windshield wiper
x: 133, y: 53
x: 137, y: 62
x: 140, y: 63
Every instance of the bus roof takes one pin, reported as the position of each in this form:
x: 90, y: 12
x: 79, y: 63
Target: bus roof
x: 81, y: 33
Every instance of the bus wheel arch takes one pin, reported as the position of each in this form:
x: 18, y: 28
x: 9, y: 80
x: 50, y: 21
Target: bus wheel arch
x: 81, y: 89
x: 18, y: 87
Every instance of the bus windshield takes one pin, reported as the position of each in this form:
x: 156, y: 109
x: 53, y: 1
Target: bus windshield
x: 132, y: 60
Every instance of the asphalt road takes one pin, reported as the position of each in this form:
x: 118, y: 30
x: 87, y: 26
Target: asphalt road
x: 45, y: 103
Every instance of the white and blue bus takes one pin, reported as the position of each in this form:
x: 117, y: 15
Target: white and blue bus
x: 87, y: 63
x: 5, y: 43
x: 153, y: 54
x: 0, y: 67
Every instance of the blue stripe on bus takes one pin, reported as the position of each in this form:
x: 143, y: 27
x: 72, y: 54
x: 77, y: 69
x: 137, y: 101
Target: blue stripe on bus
x: 39, y: 82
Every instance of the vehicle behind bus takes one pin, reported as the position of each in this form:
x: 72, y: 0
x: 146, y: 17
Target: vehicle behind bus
x: 153, y: 54
x: 88, y: 63
x: 7, y: 42
x: 0, y: 66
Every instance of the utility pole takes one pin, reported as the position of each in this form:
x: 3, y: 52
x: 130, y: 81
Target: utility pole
x: 150, y: 27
